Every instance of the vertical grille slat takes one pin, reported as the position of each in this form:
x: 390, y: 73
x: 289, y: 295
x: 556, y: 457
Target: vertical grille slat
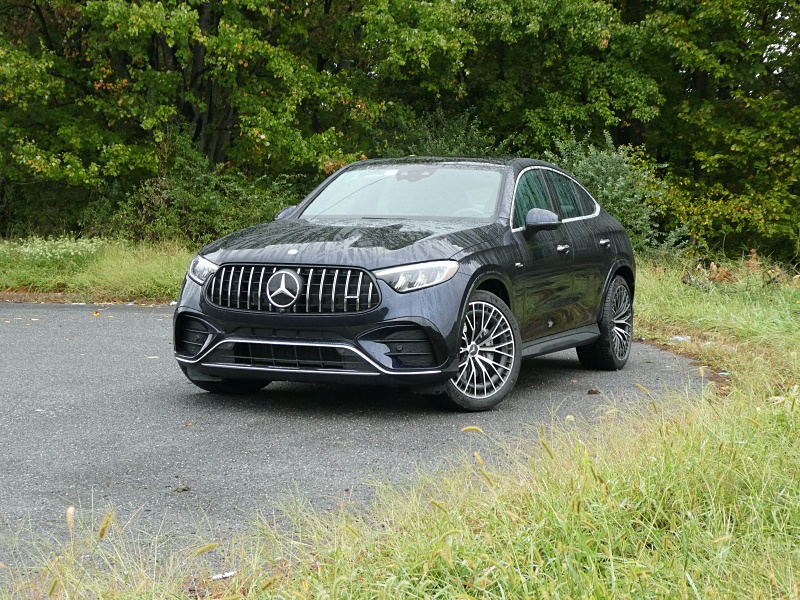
x: 346, y: 289
x: 358, y: 291
x: 321, y: 287
x: 230, y: 283
x: 260, y: 286
x: 325, y: 289
x: 333, y: 290
x: 249, y: 287
x: 239, y: 289
x: 308, y: 289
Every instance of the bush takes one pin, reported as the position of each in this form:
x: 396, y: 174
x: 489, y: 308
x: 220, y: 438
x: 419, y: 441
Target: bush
x: 625, y: 182
x: 190, y: 201
x: 441, y: 134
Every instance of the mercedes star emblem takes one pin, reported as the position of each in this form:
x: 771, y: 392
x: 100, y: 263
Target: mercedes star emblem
x: 283, y: 288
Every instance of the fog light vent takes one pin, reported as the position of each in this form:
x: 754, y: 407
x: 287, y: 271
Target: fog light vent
x: 190, y: 336
x: 408, y: 347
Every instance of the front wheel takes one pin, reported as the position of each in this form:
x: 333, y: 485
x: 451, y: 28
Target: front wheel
x: 611, y: 350
x: 488, y: 354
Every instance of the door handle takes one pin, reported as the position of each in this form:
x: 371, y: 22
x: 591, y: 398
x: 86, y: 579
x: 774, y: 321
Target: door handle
x: 563, y: 248
x: 605, y: 243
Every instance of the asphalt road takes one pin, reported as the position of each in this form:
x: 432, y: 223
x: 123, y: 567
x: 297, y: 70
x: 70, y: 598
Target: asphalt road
x: 95, y: 412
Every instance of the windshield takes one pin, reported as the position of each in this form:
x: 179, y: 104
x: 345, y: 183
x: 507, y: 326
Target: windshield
x: 416, y: 191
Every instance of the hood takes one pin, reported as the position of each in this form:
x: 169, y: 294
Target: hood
x: 366, y: 243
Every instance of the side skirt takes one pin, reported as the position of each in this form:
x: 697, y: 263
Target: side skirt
x: 562, y: 341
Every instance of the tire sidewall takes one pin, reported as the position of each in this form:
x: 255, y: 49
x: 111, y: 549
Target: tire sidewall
x: 607, y: 322
x: 468, y: 403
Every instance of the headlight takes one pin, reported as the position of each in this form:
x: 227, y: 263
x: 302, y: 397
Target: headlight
x: 421, y: 275
x: 201, y: 269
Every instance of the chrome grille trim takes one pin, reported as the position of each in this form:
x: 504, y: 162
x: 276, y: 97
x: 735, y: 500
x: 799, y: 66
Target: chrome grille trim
x: 333, y: 290
x: 327, y: 290
x: 249, y: 287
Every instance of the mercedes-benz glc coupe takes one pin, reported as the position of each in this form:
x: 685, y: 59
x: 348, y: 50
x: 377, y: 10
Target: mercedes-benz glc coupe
x: 434, y: 273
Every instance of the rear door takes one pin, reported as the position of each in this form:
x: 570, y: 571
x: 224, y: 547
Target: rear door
x: 590, y: 245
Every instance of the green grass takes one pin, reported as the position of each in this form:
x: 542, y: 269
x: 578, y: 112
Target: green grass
x: 93, y: 270
x: 695, y: 498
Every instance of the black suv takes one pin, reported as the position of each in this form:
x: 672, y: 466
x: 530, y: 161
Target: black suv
x: 434, y: 273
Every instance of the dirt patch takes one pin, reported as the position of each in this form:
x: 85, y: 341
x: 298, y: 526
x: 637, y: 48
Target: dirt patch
x: 37, y: 297
x: 71, y: 298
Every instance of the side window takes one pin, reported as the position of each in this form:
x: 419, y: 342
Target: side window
x: 531, y: 193
x: 586, y: 203
x: 572, y: 199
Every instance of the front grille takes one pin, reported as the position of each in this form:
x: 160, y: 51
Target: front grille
x: 288, y: 356
x: 190, y: 335
x: 326, y: 289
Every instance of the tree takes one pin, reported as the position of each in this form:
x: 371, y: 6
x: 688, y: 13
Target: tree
x: 543, y: 69
x: 731, y: 117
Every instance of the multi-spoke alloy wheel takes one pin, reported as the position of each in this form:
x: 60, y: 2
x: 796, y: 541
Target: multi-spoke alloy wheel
x: 621, y: 322
x: 488, y: 354
x: 612, y: 349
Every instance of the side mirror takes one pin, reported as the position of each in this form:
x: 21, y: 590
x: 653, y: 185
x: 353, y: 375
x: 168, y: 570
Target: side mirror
x: 539, y: 219
x: 284, y: 212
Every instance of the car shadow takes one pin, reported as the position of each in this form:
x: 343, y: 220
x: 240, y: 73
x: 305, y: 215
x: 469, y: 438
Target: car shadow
x: 321, y: 399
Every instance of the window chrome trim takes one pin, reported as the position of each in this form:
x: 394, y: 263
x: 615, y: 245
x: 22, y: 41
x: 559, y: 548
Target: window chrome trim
x: 544, y: 168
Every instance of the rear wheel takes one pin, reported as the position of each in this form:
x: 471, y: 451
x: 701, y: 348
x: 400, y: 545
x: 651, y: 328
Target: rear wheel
x: 611, y: 350
x: 488, y: 354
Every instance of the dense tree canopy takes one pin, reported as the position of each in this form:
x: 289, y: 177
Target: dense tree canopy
x: 92, y: 92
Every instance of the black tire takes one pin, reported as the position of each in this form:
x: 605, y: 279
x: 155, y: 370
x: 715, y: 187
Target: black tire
x: 611, y: 350
x: 489, y: 355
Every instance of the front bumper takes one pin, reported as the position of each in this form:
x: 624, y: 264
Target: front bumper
x: 410, y: 339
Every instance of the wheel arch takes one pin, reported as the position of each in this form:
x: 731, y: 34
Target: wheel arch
x: 624, y: 270
x: 491, y: 281
x: 627, y: 274
x: 494, y: 285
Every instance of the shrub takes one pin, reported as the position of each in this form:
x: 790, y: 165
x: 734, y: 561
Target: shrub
x: 441, y: 134
x: 625, y: 182
x: 189, y: 201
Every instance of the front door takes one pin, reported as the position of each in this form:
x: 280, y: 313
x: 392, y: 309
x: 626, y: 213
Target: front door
x: 543, y: 282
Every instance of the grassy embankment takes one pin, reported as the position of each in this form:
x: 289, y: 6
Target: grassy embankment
x: 700, y: 498
x: 92, y: 270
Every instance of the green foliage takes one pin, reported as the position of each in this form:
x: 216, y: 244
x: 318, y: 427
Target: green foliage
x: 45, y: 264
x: 441, y: 134
x: 625, y: 182
x: 189, y: 201
x: 90, y: 89
x: 543, y: 69
x: 731, y: 118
